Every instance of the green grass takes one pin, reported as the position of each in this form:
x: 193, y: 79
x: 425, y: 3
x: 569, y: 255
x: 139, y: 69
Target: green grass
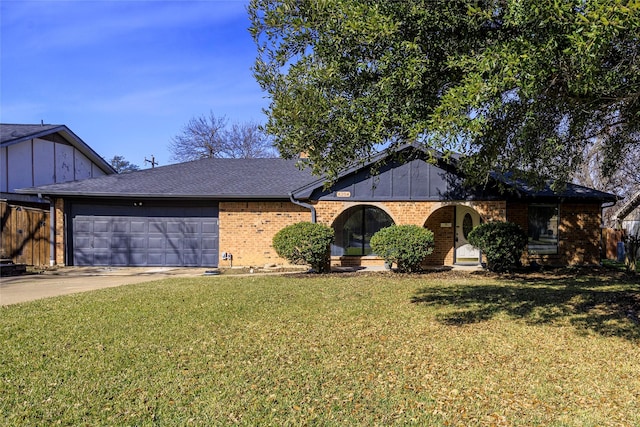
x: 621, y: 266
x: 436, y: 349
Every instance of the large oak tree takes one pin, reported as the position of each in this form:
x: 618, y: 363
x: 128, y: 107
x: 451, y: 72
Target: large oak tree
x: 521, y: 86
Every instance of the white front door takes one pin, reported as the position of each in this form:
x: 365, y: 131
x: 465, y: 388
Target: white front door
x: 466, y: 219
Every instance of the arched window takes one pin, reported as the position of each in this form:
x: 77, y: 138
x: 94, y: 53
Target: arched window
x: 354, y: 228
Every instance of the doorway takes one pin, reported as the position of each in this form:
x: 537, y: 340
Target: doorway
x: 466, y: 219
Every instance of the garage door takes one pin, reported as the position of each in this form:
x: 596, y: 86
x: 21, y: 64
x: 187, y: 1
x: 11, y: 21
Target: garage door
x: 145, y: 235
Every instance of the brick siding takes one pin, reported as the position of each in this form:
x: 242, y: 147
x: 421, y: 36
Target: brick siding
x: 579, y: 233
x: 247, y: 229
x: 423, y: 214
x: 60, y: 242
x: 443, y: 236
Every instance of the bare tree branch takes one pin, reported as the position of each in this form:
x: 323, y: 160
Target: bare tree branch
x: 208, y: 136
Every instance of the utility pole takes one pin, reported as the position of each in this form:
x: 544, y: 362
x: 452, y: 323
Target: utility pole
x: 152, y: 161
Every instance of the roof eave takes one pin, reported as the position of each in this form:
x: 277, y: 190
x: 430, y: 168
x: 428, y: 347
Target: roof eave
x: 85, y: 195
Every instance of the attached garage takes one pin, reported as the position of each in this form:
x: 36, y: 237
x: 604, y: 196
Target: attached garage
x: 141, y: 234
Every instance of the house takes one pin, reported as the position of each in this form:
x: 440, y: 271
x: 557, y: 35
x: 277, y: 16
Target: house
x: 628, y: 215
x: 34, y: 155
x: 189, y: 214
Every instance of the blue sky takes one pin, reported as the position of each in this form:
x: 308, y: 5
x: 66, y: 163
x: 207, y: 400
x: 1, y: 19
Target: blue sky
x: 126, y: 76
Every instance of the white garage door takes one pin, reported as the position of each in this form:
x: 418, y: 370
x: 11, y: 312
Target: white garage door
x: 144, y: 235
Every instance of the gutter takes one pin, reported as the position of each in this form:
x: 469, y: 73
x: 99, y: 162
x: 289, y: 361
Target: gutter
x: 304, y: 205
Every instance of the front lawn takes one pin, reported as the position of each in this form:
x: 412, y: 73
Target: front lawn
x: 433, y: 349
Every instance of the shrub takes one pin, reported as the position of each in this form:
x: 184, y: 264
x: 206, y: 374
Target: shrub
x: 406, y: 245
x: 501, y: 242
x: 305, y: 243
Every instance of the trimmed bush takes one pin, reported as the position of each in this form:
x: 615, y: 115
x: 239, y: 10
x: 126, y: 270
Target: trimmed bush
x: 501, y: 243
x: 405, y: 245
x: 305, y: 243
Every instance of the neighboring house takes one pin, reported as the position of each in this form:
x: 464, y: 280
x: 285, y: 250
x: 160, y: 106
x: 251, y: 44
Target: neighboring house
x: 628, y: 216
x: 189, y: 214
x: 30, y: 156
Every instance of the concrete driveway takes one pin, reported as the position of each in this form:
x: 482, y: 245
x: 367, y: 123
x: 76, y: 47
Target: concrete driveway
x: 69, y: 280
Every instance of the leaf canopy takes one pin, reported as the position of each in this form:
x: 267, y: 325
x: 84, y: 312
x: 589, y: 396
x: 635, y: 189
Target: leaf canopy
x: 517, y: 85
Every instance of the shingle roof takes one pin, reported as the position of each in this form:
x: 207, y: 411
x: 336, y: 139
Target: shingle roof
x: 210, y: 178
x: 253, y: 179
x: 571, y: 191
x: 11, y: 133
x: 627, y: 207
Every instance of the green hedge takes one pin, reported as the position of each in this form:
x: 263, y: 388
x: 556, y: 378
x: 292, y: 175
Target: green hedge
x: 405, y: 245
x: 305, y: 243
x: 502, y: 243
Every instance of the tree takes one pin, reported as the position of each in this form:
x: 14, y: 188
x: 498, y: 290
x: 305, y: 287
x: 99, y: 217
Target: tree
x: 623, y: 180
x: 208, y: 136
x: 121, y: 165
x: 519, y: 86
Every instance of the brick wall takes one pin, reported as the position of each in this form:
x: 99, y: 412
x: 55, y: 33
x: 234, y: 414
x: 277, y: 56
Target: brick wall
x: 60, y: 256
x: 443, y: 236
x: 579, y: 233
x: 517, y: 212
x: 429, y: 214
x: 247, y: 229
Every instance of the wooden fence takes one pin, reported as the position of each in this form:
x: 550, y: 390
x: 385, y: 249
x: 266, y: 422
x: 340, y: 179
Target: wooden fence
x: 610, y: 239
x: 25, y: 234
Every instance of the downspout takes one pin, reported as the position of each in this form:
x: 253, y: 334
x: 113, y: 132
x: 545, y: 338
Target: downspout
x: 304, y: 205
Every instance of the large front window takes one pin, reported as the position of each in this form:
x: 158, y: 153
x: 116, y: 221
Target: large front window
x: 354, y: 228
x: 543, y: 229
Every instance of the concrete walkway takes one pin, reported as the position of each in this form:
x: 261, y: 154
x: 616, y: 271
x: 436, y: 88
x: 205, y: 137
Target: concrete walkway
x: 69, y: 280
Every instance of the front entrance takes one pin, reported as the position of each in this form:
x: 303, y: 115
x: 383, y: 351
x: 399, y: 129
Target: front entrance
x: 466, y: 220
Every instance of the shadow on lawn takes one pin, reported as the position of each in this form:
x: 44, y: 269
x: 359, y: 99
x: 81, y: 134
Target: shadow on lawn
x: 608, y: 306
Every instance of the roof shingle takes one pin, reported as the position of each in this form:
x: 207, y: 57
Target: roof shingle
x: 210, y: 178
x: 13, y: 132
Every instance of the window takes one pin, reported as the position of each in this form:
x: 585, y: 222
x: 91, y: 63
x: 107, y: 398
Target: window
x: 543, y: 229
x: 467, y: 225
x: 354, y: 228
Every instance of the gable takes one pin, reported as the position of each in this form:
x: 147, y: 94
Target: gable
x: 416, y: 180
x: 35, y: 155
x: 39, y: 161
x: 413, y: 173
